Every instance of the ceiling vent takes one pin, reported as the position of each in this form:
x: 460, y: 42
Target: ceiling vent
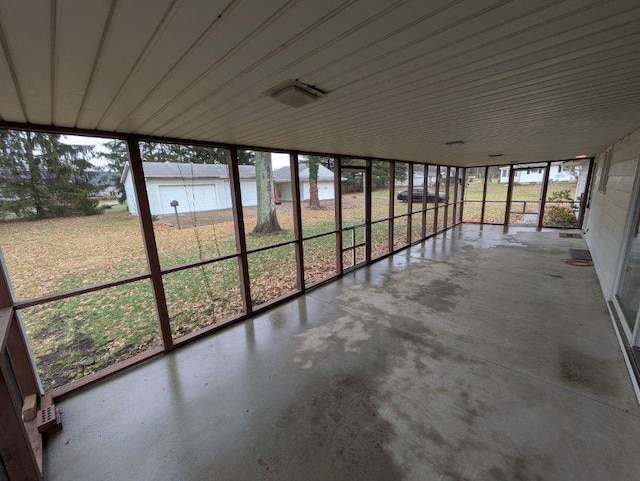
x: 454, y: 142
x: 295, y: 94
x: 495, y: 155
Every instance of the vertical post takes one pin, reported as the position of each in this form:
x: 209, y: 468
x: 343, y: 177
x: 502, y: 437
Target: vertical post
x: 392, y: 202
x: 464, y: 188
x: 409, y: 203
x: 15, y: 447
x: 297, y: 220
x: 337, y: 188
x: 543, y: 198
x: 16, y: 343
x: 149, y: 238
x: 436, y: 200
x: 507, y: 210
x: 6, y: 294
x: 238, y: 224
x: 446, y: 198
x: 484, y: 194
x: 455, y: 197
x: 367, y: 211
x: 585, y: 194
x: 425, y: 176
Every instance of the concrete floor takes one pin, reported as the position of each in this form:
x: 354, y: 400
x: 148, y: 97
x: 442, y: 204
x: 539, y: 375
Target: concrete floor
x: 476, y: 356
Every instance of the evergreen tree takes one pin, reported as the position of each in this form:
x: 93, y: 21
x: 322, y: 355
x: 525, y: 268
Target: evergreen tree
x: 43, y: 177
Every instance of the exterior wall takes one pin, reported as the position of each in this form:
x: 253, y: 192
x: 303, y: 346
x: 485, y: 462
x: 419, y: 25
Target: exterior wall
x: 609, y: 213
x: 535, y: 175
x: 284, y: 191
x: 325, y: 190
x: 132, y: 203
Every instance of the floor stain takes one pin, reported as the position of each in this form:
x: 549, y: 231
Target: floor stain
x: 339, y: 429
x: 593, y: 374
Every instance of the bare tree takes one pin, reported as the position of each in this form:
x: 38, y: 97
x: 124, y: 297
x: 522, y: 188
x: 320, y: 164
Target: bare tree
x: 267, y: 220
x: 314, y: 166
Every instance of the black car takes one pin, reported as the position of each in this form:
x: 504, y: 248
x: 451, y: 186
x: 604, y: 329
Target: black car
x: 418, y: 195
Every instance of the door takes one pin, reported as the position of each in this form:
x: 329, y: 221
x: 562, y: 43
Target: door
x: 190, y: 198
x: 627, y: 292
x: 353, y: 208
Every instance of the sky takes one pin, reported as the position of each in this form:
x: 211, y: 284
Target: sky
x: 277, y: 160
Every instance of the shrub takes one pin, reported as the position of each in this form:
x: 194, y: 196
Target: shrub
x: 560, y: 214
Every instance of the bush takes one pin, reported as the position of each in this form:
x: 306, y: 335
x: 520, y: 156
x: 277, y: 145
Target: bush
x: 560, y: 214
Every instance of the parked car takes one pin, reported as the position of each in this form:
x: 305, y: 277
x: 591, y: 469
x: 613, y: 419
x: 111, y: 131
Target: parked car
x: 418, y: 194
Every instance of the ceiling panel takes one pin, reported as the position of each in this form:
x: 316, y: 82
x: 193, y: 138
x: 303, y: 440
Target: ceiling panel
x: 532, y: 80
x: 76, y: 43
x: 26, y: 27
x: 129, y: 30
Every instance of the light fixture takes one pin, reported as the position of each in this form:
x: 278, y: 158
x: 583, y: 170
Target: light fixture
x: 295, y: 94
x: 454, y: 142
x: 581, y: 156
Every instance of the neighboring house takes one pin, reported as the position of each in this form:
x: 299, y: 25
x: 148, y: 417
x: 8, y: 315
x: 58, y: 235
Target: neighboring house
x: 535, y: 174
x: 282, y: 180
x: 106, y: 183
x: 196, y: 187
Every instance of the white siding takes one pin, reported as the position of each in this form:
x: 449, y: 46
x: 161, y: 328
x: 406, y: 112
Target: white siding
x: 249, y: 192
x: 190, y: 198
x: 608, y: 213
x: 284, y: 191
x: 132, y: 203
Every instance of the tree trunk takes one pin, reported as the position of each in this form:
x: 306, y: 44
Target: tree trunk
x: 35, y: 176
x: 267, y: 220
x: 314, y: 199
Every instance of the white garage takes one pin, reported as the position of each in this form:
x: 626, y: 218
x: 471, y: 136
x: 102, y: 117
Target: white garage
x: 282, y: 179
x: 195, y: 187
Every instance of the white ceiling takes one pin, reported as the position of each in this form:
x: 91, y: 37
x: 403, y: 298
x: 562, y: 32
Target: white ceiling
x: 533, y: 80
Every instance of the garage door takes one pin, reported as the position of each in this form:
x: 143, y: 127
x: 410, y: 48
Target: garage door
x: 249, y: 192
x: 191, y: 198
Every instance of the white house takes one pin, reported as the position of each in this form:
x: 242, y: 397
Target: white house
x: 282, y: 180
x: 534, y: 174
x: 196, y: 187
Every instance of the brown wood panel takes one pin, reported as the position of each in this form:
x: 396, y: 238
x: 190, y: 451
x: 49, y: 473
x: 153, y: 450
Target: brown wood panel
x: 15, y: 446
x: 297, y: 220
x: 238, y: 225
x: 149, y: 238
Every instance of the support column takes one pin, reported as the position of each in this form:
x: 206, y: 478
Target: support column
x: 507, y: 210
x: 238, y: 225
x: 149, y: 238
x: 484, y: 194
x: 297, y: 220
